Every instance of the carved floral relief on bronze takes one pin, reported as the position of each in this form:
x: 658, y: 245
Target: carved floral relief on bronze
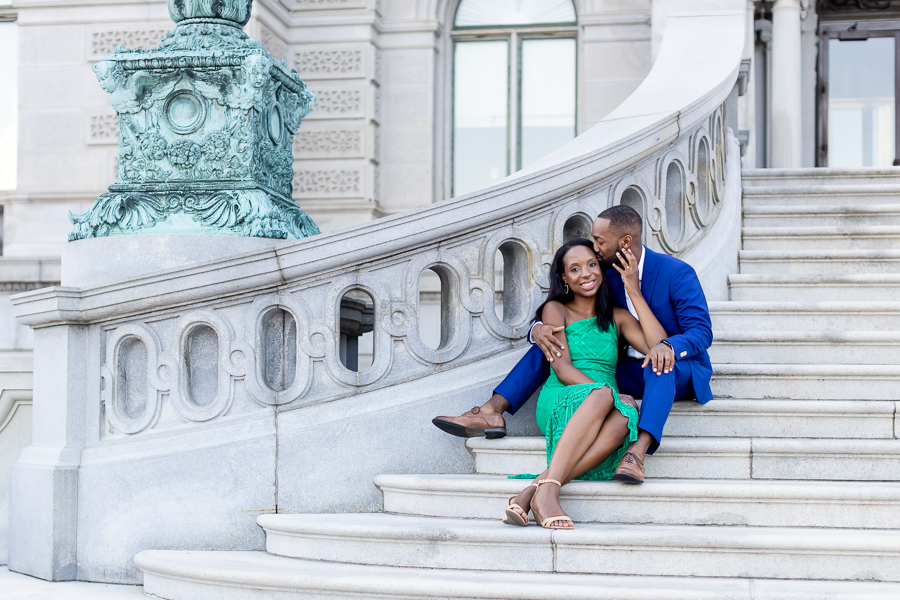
x: 206, y: 126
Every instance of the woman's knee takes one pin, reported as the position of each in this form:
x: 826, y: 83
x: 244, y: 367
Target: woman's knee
x: 601, y: 399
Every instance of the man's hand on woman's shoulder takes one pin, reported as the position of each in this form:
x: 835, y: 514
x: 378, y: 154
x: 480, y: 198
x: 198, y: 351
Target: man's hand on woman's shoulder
x: 543, y: 336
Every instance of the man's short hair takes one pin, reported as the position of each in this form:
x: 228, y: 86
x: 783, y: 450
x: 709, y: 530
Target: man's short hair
x: 623, y: 218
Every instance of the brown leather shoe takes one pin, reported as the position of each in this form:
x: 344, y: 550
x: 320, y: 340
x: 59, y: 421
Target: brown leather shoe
x: 474, y: 423
x: 631, y: 469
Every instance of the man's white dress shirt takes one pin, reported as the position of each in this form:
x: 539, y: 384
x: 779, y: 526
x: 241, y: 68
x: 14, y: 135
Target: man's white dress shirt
x: 631, y: 351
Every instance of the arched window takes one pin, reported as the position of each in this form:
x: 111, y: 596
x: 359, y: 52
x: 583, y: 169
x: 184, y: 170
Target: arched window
x: 513, y: 86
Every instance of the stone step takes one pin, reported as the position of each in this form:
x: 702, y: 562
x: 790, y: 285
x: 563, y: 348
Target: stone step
x: 824, y: 238
x: 838, y: 419
x: 777, y: 195
x: 720, y: 458
x: 806, y: 382
x: 822, y: 215
x: 677, y: 457
x: 208, y: 575
x: 818, y: 176
x: 814, y: 288
x: 664, y: 550
x: 658, y: 501
x: 806, y: 347
x: 808, y: 316
x: 819, y: 262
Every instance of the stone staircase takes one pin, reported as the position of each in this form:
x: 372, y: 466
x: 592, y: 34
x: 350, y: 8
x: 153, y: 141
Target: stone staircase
x: 787, y: 485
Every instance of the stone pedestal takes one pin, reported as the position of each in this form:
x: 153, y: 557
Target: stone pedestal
x: 43, y: 507
x: 98, y: 260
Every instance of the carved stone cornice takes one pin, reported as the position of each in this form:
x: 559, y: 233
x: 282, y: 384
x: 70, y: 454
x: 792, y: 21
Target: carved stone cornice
x: 850, y: 9
x: 847, y: 5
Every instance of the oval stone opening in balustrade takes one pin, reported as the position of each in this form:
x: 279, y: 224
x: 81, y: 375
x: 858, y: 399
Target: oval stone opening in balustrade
x: 633, y: 198
x: 201, y: 365
x: 131, y: 377
x: 576, y: 226
x: 703, y: 173
x: 674, y: 202
x: 511, y: 291
x: 357, y: 339
x: 278, y: 344
x: 436, y: 307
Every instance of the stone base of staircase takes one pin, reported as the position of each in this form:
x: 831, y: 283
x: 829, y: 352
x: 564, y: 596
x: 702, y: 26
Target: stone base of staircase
x: 174, y: 575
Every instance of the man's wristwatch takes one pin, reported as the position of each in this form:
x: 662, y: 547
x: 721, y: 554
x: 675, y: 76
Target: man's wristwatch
x: 667, y: 343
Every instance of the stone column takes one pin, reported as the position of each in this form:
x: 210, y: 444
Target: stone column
x: 747, y: 102
x: 786, y: 77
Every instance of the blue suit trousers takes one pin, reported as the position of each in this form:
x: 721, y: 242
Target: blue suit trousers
x: 657, y: 391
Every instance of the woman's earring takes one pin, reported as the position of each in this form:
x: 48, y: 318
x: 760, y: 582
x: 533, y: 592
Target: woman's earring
x: 565, y: 288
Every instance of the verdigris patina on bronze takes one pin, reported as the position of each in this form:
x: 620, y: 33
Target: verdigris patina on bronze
x: 206, y: 125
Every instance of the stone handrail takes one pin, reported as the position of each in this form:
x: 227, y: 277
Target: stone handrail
x: 271, y: 318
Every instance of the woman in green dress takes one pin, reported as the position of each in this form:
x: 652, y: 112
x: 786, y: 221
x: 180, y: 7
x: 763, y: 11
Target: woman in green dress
x: 587, y: 426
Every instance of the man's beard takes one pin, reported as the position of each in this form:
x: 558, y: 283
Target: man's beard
x: 606, y: 265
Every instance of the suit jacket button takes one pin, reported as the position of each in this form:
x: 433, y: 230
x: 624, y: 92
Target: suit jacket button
x: 683, y: 354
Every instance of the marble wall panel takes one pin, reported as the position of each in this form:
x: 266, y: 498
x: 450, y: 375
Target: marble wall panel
x: 603, y: 61
x: 51, y: 45
x: 50, y: 130
x: 203, y: 493
x: 37, y: 228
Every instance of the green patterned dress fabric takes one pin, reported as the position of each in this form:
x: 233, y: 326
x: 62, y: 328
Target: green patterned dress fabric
x: 594, y: 353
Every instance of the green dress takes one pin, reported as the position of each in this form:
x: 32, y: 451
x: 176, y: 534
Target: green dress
x: 594, y: 353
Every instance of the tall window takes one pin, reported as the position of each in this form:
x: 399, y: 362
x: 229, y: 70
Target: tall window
x: 513, y: 86
x: 9, y: 65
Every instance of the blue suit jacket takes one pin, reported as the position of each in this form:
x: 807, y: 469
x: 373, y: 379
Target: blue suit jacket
x: 671, y: 288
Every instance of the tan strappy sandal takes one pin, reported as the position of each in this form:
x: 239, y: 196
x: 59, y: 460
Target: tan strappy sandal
x: 511, y: 517
x: 545, y: 522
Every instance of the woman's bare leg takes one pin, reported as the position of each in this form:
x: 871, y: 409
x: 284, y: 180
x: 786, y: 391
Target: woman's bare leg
x: 578, y: 436
x: 611, y: 437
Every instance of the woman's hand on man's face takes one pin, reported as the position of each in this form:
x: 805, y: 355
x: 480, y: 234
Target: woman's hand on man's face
x: 628, y: 269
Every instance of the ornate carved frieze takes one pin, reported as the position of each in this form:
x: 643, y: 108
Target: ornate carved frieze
x: 271, y: 42
x: 104, y: 42
x: 25, y: 286
x: 843, y: 5
x: 103, y: 129
x: 376, y: 184
x: 376, y: 145
x: 206, y: 121
x: 324, y: 63
x: 338, y: 103
x: 316, y: 183
x: 842, y: 10
x: 328, y: 143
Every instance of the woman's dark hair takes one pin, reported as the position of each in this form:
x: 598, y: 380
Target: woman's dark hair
x: 602, y: 301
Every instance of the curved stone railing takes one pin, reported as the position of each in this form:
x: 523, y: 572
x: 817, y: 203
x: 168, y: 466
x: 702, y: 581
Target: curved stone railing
x: 272, y: 318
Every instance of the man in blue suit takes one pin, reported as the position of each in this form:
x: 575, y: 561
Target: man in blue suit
x: 677, y: 368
